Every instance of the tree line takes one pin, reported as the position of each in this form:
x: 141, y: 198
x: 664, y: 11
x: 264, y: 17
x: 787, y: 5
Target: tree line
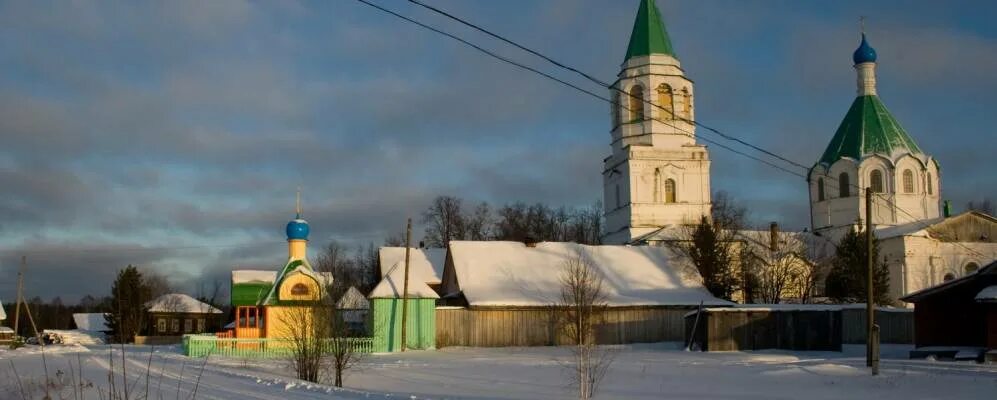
x: 451, y: 218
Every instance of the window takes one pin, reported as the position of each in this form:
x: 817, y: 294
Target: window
x: 686, y: 103
x: 929, y: 184
x: 175, y: 325
x: 820, y: 189
x: 972, y: 267
x: 876, y: 181
x: 618, y: 205
x: 948, y: 277
x: 243, y: 313
x: 666, y: 101
x: 843, y: 185
x: 908, y: 181
x: 669, y: 191
x: 299, y: 289
x: 657, y: 185
x: 188, y: 325
x: 636, y: 103
x: 200, y: 325
x: 161, y: 325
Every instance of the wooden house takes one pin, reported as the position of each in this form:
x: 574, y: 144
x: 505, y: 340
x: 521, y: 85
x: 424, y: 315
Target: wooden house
x: 386, y: 300
x: 957, y: 314
x: 176, y: 314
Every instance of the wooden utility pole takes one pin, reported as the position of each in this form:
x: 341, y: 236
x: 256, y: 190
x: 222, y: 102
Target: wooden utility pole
x: 408, y: 247
x: 17, y: 306
x: 869, y: 306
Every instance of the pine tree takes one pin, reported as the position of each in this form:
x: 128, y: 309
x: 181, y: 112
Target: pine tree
x: 846, y: 282
x: 128, y: 297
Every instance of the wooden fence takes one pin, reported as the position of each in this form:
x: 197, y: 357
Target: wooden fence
x: 204, y: 345
x: 539, y: 327
x: 807, y: 328
x: 895, y: 326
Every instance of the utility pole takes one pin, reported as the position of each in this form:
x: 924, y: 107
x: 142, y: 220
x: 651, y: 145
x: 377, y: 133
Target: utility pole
x: 869, y: 306
x: 20, y: 282
x: 408, y: 247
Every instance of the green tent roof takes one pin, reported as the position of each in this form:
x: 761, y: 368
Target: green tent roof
x: 868, y: 128
x: 649, y: 35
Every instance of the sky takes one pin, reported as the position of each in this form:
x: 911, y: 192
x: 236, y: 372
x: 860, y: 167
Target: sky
x: 173, y: 135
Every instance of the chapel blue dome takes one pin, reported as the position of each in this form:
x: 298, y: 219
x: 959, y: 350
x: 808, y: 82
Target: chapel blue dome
x: 865, y: 53
x: 297, y: 229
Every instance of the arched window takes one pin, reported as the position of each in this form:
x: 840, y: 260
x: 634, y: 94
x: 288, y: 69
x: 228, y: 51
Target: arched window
x: 876, y: 181
x: 666, y: 101
x: 299, y: 289
x: 948, y: 277
x: 972, y: 267
x: 929, y: 184
x: 636, y: 103
x: 843, y: 185
x: 908, y: 181
x: 686, y: 103
x: 669, y: 191
x: 820, y: 189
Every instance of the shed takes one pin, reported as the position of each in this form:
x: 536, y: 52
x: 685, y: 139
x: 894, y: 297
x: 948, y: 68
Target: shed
x: 353, y: 308
x: 91, y: 322
x: 958, y: 313
x: 386, y: 302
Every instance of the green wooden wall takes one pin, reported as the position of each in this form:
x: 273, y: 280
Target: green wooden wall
x: 386, y: 324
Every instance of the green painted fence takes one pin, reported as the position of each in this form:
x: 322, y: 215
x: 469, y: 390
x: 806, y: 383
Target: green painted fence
x: 204, y: 345
x: 386, y: 324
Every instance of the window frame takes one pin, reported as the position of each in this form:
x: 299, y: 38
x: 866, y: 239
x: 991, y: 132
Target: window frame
x: 908, y: 181
x: 820, y: 189
x: 636, y: 103
x: 876, y: 181
x: 670, y: 192
x: 844, y: 185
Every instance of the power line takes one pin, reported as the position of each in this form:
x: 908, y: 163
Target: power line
x: 611, y: 87
x: 602, y: 83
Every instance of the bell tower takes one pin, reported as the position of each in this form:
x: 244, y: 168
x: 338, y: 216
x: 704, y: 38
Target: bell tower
x: 657, y: 175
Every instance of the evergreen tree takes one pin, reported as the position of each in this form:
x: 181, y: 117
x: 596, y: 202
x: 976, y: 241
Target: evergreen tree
x: 128, y: 297
x: 846, y: 282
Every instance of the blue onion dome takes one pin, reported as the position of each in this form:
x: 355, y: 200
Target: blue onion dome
x: 297, y: 229
x: 865, y: 53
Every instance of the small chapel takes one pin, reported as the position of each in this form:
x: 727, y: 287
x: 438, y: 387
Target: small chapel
x: 657, y: 177
x: 264, y: 300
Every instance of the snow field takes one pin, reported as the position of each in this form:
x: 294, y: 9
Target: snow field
x: 651, y: 371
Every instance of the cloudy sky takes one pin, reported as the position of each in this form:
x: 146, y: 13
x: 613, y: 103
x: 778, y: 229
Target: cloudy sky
x: 172, y: 135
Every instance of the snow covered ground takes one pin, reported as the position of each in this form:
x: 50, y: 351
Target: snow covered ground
x: 652, y: 371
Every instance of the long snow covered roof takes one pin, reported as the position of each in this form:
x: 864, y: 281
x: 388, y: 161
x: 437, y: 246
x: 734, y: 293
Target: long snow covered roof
x: 93, y: 322
x: 512, y: 274
x: 429, y: 262
x: 180, y: 303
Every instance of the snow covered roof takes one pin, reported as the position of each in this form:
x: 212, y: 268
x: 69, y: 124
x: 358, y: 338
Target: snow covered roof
x: 392, y: 286
x: 429, y: 262
x: 352, y: 300
x: 93, y: 322
x: 3, y: 315
x: 253, y: 276
x: 512, y: 274
x: 988, y: 294
x: 915, y: 228
x: 180, y: 303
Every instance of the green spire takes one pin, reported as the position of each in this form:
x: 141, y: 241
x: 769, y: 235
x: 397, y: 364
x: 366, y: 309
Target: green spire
x: 649, y: 35
x: 868, y: 128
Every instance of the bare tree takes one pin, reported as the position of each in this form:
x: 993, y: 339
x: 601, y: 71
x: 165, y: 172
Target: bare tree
x: 307, y: 329
x: 583, y: 304
x: 444, y: 221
